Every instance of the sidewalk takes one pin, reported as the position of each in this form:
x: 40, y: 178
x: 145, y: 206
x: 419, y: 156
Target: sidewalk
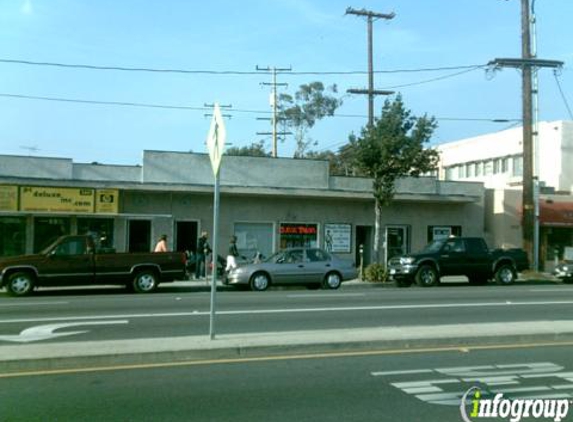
x: 69, y: 355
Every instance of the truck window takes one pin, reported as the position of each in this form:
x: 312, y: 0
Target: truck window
x: 71, y: 247
x: 454, y: 245
x: 476, y: 246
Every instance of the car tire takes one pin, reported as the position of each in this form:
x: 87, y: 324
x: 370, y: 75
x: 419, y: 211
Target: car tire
x: 332, y: 281
x: 259, y: 282
x: 505, y: 275
x: 145, y: 282
x: 20, y: 284
x: 427, y: 276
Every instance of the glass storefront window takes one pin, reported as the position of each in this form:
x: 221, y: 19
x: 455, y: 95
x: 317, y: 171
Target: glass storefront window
x: 48, y: 229
x: 253, y: 238
x: 12, y: 236
x: 100, y: 228
x: 296, y: 235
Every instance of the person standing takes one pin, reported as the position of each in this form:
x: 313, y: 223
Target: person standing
x: 203, y: 250
x: 232, y: 255
x: 161, y: 245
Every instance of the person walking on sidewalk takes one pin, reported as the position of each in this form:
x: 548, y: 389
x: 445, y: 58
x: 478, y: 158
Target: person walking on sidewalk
x: 232, y: 255
x: 203, y: 250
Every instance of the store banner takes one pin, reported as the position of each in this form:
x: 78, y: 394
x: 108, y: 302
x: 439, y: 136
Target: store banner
x: 51, y: 199
x: 8, y: 198
x: 337, y: 238
x: 107, y: 201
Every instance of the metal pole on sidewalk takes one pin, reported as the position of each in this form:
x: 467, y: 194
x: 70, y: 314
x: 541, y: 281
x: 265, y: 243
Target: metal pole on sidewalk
x: 215, y: 258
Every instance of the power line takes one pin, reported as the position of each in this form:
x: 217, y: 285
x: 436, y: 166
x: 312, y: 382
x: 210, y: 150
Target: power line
x: 204, y: 108
x: 563, y: 94
x: 226, y: 72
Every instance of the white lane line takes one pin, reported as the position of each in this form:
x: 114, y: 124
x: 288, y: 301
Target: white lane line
x: 13, y: 305
x: 331, y: 295
x: 552, y: 290
x: 406, y: 372
x: 296, y: 310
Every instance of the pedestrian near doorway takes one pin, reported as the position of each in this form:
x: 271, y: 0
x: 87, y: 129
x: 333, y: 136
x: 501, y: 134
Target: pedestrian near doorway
x: 161, y: 245
x: 232, y: 255
x: 203, y: 250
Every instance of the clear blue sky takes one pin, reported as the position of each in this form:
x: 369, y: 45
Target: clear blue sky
x: 308, y: 35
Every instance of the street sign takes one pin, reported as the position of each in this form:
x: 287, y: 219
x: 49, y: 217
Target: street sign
x: 216, y: 139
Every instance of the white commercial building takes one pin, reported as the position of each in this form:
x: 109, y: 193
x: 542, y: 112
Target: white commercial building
x: 496, y: 159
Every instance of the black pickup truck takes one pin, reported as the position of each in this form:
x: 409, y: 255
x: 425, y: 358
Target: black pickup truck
x: 468, y: 256
x: 78, y: 260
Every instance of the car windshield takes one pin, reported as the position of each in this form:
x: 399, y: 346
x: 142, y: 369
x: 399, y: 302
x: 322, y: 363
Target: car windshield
x: 434, y: 246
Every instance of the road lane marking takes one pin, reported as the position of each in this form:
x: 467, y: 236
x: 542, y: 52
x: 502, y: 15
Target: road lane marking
x: 295, y: 310
x: 225, y: 361
x: 552, y: 290
x: 13, y: 305
x: 333, y: 295
x: 46, y: 332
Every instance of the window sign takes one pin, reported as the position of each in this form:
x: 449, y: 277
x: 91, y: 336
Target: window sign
x: 34, y: 198
x: 439, y: 233
x: 294, y: 235
x: 8, y: 198
x: 337, y: 238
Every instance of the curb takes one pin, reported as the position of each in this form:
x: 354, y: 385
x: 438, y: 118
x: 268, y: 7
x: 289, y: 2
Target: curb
x: 302, y: 344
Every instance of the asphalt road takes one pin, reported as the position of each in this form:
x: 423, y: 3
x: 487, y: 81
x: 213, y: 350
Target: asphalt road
x: 111, y: 314
x: 423, y: 386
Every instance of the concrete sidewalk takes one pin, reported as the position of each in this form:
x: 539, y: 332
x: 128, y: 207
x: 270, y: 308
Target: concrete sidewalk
x: 69, y: 355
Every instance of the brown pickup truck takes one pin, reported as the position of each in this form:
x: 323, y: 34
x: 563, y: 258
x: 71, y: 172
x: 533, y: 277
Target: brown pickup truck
x: 78, y: 260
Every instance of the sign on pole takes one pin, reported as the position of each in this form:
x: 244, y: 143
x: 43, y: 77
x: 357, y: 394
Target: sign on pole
x: 216, y: 139
x: 216, y: 147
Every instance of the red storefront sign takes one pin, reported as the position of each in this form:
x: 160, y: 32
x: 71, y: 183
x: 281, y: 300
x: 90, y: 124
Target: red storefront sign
x: 556, y: 213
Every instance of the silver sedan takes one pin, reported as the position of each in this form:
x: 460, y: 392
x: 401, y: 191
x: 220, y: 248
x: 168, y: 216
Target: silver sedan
x: 296, y: 266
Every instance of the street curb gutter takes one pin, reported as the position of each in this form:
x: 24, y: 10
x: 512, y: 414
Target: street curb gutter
x: 156, y: 351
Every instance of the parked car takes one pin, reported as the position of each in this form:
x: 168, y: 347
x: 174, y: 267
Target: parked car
x: 295, y: 266
x: 77, y: 260
x: 468, y: 256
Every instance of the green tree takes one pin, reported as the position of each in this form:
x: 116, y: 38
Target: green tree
x: 256, y: 149
x: 312, y: 102
x: 393, y: 148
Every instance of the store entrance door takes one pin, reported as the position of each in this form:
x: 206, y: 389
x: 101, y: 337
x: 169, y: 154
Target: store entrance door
x: 396, y: 241
x: 186, y: 232
x: 364, y: 240
x: 139, y: 236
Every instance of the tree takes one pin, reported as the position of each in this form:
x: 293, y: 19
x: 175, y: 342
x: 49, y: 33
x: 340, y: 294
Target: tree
x: 256, y: 149
x: 393, y: 148
x: 311, y: 103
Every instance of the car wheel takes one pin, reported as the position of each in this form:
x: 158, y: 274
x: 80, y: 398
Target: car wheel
x: 332, y: 281
x: 145, y: 282
x: 505, y: 275
x: 259, y: 282
x: 20, y: 284
x: 427, y: 276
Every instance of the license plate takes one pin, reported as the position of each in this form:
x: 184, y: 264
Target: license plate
x: 392, y: 271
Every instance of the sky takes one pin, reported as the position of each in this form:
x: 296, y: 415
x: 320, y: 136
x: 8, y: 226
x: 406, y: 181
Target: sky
x: 433, y: 53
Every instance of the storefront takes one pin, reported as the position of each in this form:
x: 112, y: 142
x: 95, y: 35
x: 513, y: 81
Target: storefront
x: 556, y: 230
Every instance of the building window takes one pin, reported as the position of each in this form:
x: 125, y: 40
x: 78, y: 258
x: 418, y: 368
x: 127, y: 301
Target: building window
x: 48, y: 229
x: 100, y: 228
x: 443, y: 232
x: 479, y: 168
x: 497, y: 166
x: 253, y: 238
x: 488, y: 168
x: 12, y: 236
x: 298, y: 235
x: 470, y: 170
x: 517, y: 169
x: 461, y: 171
x: 449, y: 173
x: 505, y: 165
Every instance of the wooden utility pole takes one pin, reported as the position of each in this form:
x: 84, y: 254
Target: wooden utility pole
x: 274, y: 105
x: 527, y: 64
x: 371, y: 92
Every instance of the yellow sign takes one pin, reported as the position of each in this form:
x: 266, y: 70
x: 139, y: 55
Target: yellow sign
x: 49, y: 199
x: 107, y: 201
x: 8, y: 198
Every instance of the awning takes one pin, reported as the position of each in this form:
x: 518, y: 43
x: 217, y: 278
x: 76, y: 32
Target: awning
x: 556, y: 213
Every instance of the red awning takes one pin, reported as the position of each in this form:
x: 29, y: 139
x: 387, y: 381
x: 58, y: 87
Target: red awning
x: 556, y: 213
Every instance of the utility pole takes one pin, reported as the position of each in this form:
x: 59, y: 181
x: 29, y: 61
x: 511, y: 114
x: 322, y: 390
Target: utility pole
x: 371, y: 92
x: 528, y: 63
x: 274, y: 104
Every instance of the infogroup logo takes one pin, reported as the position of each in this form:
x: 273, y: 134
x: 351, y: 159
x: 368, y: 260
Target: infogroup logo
x: 515, y: 410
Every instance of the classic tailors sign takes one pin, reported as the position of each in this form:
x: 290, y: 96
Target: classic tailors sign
x: 49, y: 199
